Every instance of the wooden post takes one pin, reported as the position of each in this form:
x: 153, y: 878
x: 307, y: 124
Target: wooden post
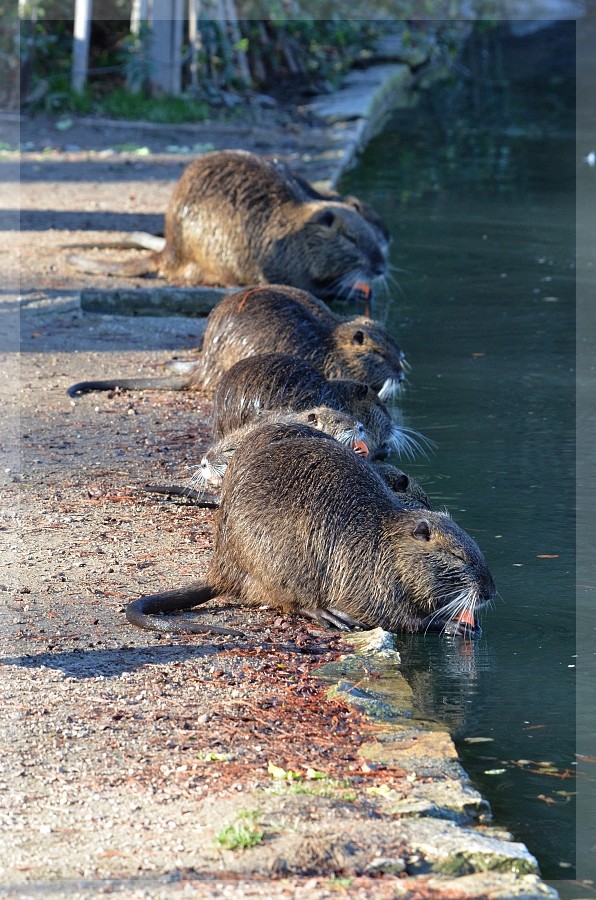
x: 229, y: 10
x: 80, y: 49
x: 138, y: 14
x: 194, y: 39
x: 166, y: 43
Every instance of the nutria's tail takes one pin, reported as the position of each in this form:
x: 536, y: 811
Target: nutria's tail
x: 206, y: 501
x: 147, y: 612
x: 145, y: 240
x: 129, y: 268
x: 166, y: 383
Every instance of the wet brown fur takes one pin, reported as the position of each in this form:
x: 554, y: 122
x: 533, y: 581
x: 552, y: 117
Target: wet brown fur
x: 277, y: 381
x: 332, y: 541
x: 341, y: 426
x: 286, y: 320
x: 236, y: 219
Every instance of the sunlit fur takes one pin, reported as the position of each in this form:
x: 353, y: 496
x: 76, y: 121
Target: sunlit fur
x: 343, y: 542
x: 306, y: 526
x: 296, y: 323
x: 341, y: 426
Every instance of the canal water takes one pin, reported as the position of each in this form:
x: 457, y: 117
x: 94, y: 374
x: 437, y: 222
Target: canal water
x: 477, y: 185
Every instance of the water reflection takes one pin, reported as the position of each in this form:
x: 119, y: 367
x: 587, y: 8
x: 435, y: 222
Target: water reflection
x: 444, y: 674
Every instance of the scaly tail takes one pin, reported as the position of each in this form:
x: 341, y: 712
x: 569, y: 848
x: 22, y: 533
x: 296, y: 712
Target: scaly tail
x: 129, y: 268
x: 148, y: 612
x: 165, y: 383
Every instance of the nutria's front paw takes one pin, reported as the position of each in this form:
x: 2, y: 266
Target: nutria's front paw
x: 335, y: 617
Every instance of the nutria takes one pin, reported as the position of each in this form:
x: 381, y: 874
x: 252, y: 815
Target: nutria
x: 332, y: 543
x: 303, y: 190
x: 407, y: 490
x: 236, y: 219
x: 271, y: 381
x: 341, y: 426
x: 286, y: 320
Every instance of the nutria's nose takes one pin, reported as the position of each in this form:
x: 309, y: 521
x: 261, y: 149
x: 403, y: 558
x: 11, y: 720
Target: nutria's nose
x: 379, y: 266
x: 488, y: 588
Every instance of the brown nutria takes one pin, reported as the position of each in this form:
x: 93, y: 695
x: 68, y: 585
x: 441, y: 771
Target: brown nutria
x: 339, y: 425
x: 302, y: 190
x: 286, y: 320
x: 271, y: 381
x: 333, y: 543
x: 407, y: 490
x: 236, y: 219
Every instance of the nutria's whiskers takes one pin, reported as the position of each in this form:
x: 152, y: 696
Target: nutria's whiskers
x: 347, y: 286
x: 464, y: 600
x: 349, y: 435
x: 208, y: 474
x: 409, y: 443
x: 391, y: 388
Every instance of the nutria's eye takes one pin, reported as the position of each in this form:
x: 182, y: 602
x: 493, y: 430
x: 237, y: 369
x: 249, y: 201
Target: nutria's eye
x: 361, y: 390
x: 358, y: 337
x: 327, y: 218
x: 312, y: 417
x: 402, y: 484
x: 422, y: 530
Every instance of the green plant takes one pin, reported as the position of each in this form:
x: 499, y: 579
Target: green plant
x: 241, y: 834
x: 343, y: 883
x: 122, y: 104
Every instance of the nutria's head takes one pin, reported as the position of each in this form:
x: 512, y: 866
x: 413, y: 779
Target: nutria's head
x: 341, y: 426
x: 406, y: 489
x: 211, y: 470
x: 442, y: 574
x: 345, y: 428
x: 387, y: 435
x: 373, y: 218
x: 363, y: 350
x: 341, y: 253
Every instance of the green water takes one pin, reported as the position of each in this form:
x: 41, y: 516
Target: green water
x: 478, y: 187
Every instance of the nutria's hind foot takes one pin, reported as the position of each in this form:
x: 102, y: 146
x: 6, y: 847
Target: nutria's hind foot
x: 144, y: 240
x: 334, y: 617
x: 181, y: 366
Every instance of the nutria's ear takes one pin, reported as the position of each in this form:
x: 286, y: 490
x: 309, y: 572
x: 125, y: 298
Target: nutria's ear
x: 422, y: 530
x: 402, y: 484
x: 312, y: 417
x: 358, y: 337
x: 354, y: 202
x: 326, y: 217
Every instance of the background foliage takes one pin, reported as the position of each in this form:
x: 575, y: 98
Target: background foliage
x: 278, y: 47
